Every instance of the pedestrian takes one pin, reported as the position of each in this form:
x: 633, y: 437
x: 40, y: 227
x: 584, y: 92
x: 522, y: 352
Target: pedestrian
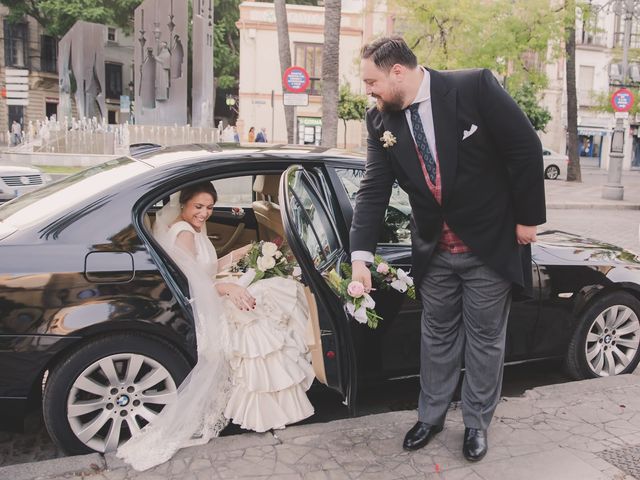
x: 262, y: 135
x: 252, y: 135
x: 236, y: 135
x: 471, y: 164
x: 16, y: 133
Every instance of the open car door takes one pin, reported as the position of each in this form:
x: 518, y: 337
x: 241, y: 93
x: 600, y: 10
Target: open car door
x: 314, y: 240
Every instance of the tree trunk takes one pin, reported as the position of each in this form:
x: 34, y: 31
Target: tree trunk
x: 331, y: 73
x: 345, y: 134
x: 573, y: 169
x: 284, y: 47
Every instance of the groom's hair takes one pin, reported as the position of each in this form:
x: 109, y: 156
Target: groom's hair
x: 385, y: 52
x: 189, y: 192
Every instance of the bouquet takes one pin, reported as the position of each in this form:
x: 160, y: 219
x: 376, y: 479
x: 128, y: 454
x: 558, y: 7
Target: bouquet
x: 359, y: 303
x: 266, y: 260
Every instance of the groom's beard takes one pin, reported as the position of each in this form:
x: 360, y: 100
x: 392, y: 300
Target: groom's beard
x: 394, y: 104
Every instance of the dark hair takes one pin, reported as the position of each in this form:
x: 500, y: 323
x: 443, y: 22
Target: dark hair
x: 191, y: 191
x: 387, y: 51
x: 252, y: 128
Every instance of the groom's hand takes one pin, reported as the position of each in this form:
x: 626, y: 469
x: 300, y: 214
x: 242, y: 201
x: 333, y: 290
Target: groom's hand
x: 526, y: 234
x: 361, y: 273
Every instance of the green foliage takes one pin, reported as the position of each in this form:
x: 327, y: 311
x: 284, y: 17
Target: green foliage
x: 510, y: 37
x: 58, y: 16
x: 527, y: 99
x: 351, y: 106
x: 226, y: 55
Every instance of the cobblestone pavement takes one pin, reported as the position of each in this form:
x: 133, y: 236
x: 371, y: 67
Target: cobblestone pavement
x: 553, y: 433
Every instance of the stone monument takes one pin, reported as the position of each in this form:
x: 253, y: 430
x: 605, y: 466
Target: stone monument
x: 203, y: 90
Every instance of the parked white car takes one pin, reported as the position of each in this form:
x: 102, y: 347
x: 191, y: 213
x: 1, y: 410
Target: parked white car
x: 16, y: 180
x: 555, y: 164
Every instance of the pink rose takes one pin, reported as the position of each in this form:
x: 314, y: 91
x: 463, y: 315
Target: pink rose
x: 355, y: 289
x: 382, y: 268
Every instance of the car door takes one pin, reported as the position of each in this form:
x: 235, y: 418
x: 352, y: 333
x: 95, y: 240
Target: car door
x: 314, y: 240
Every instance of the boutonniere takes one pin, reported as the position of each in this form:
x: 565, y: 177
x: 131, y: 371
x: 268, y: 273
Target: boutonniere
x: 388, y: 139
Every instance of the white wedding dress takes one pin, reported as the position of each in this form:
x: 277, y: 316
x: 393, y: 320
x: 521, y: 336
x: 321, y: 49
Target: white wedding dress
x: 253, y: 367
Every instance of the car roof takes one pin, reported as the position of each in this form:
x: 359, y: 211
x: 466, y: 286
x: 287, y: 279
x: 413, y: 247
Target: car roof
x: 177, y: 154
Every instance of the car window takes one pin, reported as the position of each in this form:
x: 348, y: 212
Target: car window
x: 234, y: 191
x: 546, y: 152
x: 396, y: 226
x: 56, y: 197
x: 311, y: 222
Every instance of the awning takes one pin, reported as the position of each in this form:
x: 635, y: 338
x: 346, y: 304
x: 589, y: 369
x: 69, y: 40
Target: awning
x: 593, y: 131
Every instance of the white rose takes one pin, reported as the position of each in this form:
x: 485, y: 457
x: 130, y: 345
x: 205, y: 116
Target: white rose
x: 265, y: 263
x: 278, y: 254
x: 269, y: 249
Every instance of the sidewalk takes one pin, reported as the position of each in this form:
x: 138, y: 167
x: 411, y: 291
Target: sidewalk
x: 587, y: 430
x: 561, y: 194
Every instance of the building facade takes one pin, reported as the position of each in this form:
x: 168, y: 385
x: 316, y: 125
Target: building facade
x: 599, y: 38
x: 260, y: 87
x: 26, y: 48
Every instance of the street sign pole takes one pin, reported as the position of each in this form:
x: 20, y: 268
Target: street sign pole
x: 621, y: 101
x: 295, y: 81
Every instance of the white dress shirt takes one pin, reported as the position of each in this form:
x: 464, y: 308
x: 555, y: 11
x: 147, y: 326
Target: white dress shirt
x: 426, y: 115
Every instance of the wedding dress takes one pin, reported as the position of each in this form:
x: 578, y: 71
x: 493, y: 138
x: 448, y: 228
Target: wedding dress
x: 253, y: 366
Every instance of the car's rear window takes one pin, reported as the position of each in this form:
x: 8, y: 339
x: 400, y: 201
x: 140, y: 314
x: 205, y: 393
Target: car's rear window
x: 59, y: 196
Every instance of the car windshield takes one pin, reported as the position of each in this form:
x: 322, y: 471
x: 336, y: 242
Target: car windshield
x: 56, y: 197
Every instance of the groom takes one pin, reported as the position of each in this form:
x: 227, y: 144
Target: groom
x: 471, y: 163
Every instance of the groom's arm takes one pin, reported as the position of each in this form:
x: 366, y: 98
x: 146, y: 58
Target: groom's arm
x: 519, y: 147
x: 373, y: 195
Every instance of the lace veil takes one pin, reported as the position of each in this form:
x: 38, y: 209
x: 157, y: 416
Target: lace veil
x: 196, y: 414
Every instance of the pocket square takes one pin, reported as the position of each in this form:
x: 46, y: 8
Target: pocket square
x: 467, y: 133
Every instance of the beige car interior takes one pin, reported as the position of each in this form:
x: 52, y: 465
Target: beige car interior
x: 266, y: 207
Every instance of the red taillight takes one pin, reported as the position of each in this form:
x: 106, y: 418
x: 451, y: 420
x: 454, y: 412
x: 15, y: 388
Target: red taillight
x: 566, y: 160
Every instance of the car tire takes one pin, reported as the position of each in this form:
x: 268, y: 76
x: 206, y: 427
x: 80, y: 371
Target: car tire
x: 552, y: 172
x: 91, y: 387
x: 606, y: 341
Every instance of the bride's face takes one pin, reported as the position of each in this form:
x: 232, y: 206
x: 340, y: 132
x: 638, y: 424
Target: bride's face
x: 197, y: 210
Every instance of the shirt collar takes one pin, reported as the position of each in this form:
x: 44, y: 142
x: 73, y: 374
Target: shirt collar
x: 424, y: 92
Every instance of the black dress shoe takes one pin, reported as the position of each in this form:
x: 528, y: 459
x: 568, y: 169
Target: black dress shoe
x: 419, y: 435
x: 475, y: 444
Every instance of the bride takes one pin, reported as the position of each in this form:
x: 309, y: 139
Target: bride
x: 252, y: 366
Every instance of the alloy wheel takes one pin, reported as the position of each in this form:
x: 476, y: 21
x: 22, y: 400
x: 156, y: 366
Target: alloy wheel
x: 115, y: 397
x: 613, y: 340
x: 552, y: 172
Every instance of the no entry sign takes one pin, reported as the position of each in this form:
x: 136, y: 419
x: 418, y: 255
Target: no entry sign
x: 295, y: 80
x: 622, y: 100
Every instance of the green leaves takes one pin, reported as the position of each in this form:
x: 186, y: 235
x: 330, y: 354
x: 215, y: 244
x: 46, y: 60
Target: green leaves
x: 351, y: 106
x: 526, y: 98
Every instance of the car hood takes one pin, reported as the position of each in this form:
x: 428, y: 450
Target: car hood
x: 18, y: 170
x: 557, y: 247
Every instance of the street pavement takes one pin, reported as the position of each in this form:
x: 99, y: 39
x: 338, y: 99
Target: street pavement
x: 555, y: 431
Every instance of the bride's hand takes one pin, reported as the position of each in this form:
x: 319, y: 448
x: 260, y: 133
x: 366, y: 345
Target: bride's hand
x: 240, y: 297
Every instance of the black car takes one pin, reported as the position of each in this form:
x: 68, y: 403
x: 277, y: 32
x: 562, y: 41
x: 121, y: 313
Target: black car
x: 95, y: 319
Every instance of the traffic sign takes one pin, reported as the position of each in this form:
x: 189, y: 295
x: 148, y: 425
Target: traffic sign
x: 622, y: 100
x: 295, y: 79
x: 296, y: 99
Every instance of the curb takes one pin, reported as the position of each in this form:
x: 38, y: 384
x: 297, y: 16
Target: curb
x: 592, y: 206
x: 80, y: 465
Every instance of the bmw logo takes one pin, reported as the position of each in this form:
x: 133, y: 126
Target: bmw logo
x: 24, y: 180
x: 122, y: 401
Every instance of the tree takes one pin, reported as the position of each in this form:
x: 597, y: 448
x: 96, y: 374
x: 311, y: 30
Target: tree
x: 527, y: 99
x: 330, y: 72
x: 351, y: 106
x: 58, y: 16
x: 284, y: 48
x: 573, y: 168
x: 226, y: 41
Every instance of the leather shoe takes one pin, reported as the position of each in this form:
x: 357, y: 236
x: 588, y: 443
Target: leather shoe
x: 475, y: 444
x: 419, y: 435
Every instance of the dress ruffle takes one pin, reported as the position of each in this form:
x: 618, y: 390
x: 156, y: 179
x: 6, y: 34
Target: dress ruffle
x: 269, y: 358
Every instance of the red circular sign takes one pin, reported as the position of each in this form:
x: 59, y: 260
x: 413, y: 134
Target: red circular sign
x: 622, y: 100
x: 295, y: 79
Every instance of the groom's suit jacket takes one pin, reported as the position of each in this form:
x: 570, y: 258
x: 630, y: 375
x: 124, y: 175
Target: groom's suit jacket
x: 491, y: 169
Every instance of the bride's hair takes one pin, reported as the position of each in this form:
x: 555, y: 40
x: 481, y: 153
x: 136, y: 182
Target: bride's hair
x: 189, y: 192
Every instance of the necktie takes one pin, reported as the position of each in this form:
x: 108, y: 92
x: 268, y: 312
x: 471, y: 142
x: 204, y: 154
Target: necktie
x: 421, y: 142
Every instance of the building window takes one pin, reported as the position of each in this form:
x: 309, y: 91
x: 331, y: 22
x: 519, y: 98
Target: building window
x: 309, y: 56
x: 15, y: 44
x: 48, y: 54
x: 591, y: 29
x: 111, y: 34
x: 618, y: 36
x: 113, y: 80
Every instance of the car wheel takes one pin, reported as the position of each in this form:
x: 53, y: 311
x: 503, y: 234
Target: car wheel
x: 607, y: 339
x: 552, y: 172
x: 101, y: 394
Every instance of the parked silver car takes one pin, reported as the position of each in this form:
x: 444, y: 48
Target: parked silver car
x: 16, y: 180
x: 555, y: 164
